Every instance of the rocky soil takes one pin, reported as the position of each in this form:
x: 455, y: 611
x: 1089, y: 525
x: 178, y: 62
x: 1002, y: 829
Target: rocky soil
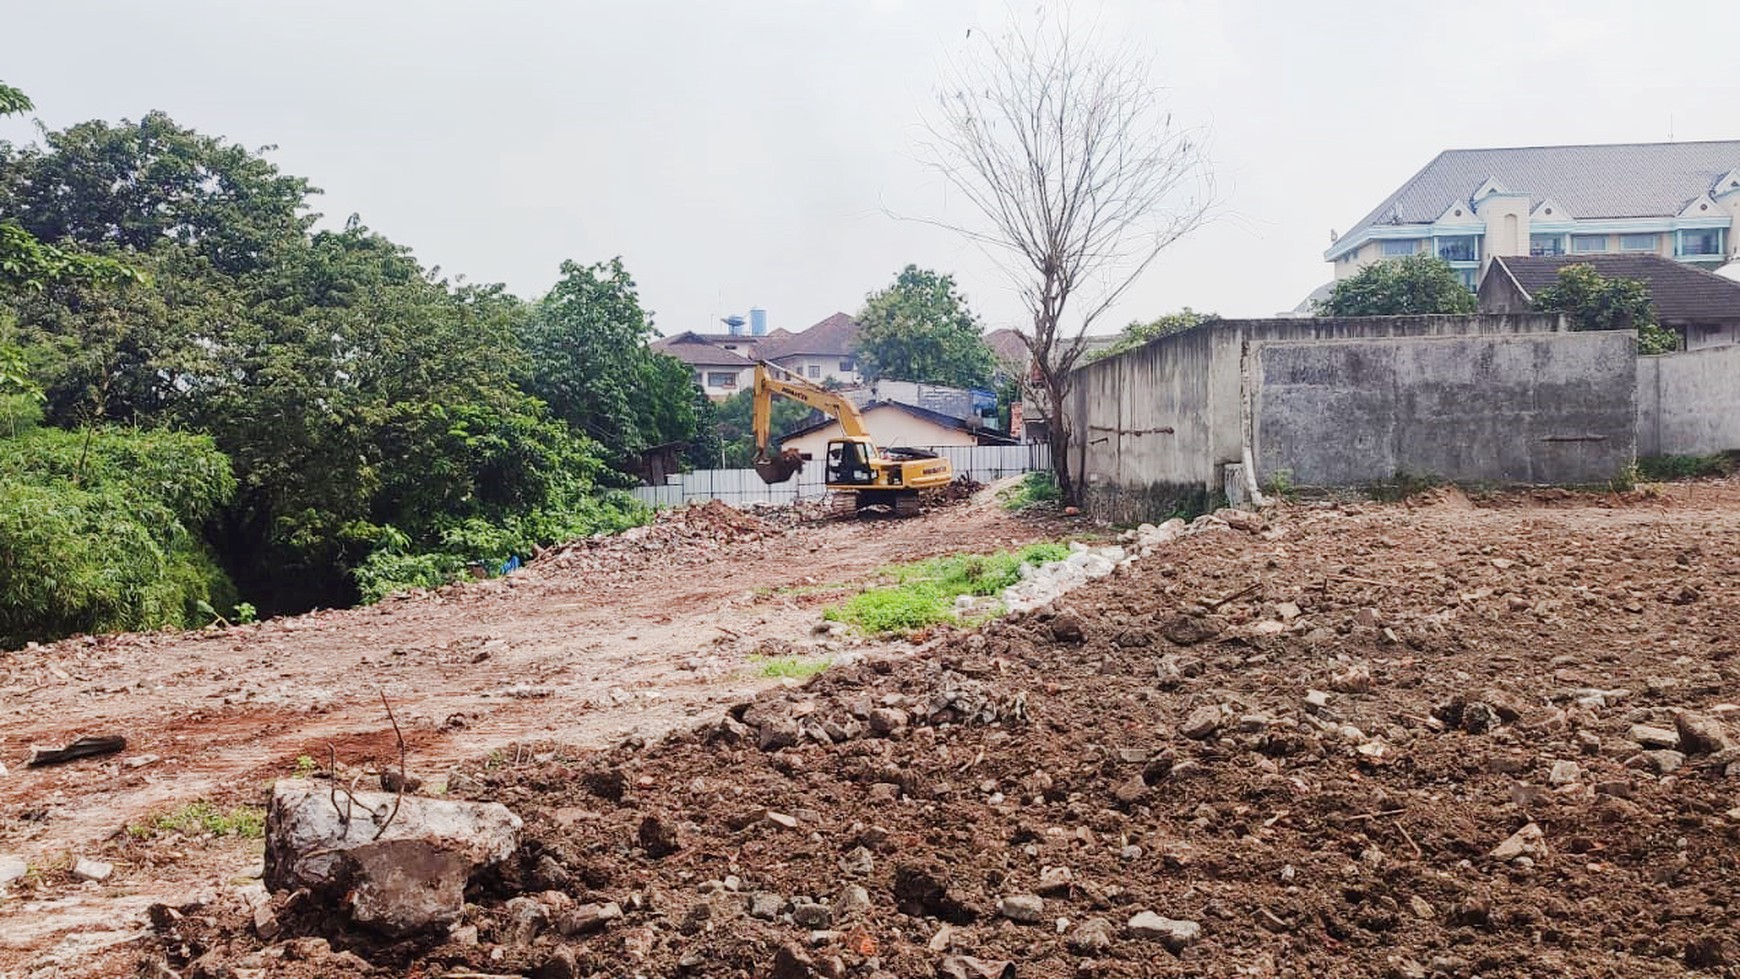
x: 1429, y: 739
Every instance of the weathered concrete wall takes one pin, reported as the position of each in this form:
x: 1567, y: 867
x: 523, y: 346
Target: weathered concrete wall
x: 1151, y: 428
x: 1552, y: 408
x: 1689, y: 403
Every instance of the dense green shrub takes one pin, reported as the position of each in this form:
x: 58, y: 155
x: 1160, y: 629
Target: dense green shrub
x: 99, y: 531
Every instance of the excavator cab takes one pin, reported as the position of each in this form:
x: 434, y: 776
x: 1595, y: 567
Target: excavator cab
x: 849, y: 463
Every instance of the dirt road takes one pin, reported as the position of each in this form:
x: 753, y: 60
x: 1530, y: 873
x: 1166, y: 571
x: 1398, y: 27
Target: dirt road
x: 583, y: 647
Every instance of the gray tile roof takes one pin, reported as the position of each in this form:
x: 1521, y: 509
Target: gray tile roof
x: 1620, y: 180
x: 697, y: 350
x: 1681, y: 293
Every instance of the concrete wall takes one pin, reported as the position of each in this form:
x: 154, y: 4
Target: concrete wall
x: 1152, y: 427
x: 1689, y: 403
x: 1541, y: 409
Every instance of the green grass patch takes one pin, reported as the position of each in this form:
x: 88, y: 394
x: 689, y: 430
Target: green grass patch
x: 247, y: 822
x: 1663, y: 469
x: 924, y: 593
x: 1035, y: 489
x: 793, y: 667
x: 1402, y: 486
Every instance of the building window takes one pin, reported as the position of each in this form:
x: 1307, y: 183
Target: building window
x: 1638, y: 243
x: 815, y: 371
x: 722, y: 379
x: 1464, y: 248
x: 1588, y: 243
x: 1468, y: 278
x: 1546, y: 244
x: 1397, y: 247
x: 1701, y: 242
x: 698, y: 379
x: 846, y: 366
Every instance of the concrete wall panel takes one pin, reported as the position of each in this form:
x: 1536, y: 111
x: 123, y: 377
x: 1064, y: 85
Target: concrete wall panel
x: 1689, y: 403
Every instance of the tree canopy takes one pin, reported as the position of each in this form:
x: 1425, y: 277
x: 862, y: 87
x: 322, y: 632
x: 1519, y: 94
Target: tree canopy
x: 379, y: 426
x: 1416, y: 285
x: 920, y: 329
x: 1592, y: 301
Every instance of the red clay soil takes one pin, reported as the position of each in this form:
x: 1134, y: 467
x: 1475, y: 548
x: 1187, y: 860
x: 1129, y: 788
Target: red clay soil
x: 1390, y: 740
x: 640, y: 633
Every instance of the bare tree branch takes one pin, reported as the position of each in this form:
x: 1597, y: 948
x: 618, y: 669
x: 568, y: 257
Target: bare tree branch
x: 1080, y: 179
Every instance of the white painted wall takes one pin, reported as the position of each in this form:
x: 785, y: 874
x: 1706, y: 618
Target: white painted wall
x: 889, y: 428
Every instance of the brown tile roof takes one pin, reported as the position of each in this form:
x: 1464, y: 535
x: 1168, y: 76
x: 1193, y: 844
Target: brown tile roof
x: 697, y: 350
x: 836, y: 336
x: 1007, y: 346
x: 1682, y: 293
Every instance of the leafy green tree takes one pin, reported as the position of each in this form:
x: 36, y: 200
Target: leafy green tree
x: 1416, y: 285
x: 920, y: 329
x: 133, y: 185
x: 26, y: 264
x: 1138, y: 333
x: 1592, y: 301
x: 588, y: 359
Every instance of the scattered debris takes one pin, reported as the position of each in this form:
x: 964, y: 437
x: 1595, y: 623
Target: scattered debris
x: 86, y: 747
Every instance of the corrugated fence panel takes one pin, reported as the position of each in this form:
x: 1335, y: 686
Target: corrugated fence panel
x: 984, y: 463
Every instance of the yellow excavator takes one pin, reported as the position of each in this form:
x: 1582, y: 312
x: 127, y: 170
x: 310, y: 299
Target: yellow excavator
x: 879, y: 477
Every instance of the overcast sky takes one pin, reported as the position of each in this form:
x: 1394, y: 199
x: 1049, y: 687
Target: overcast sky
x: 748, y: 153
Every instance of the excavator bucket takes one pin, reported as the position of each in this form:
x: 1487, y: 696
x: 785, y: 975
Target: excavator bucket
x: 781, y: 467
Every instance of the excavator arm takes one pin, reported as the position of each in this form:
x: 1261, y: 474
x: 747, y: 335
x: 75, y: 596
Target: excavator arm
x: 781, y: 467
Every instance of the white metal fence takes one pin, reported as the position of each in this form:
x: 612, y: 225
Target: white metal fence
x: 736, y: 486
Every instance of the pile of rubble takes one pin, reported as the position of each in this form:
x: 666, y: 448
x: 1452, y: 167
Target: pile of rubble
x: 1255, y: 752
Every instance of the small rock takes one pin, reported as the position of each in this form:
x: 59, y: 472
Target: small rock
x: 968, y: 967
x: 1708, y: 952
x: 765, y: 906
x: 1528, y: 841
x: 1422, y: 908
x: 1317, y: 701
x: 1201, y: 723
x: 792, y: 962
x: 1588, y: 742
x: 853, y: 899
x: 887, y: 720
x: 1654, y: 737
x: 589, y: 918
x: 659, y: 837
x: 560, y: 965
x: 1479, y: 717
x: 858, y: 861
x: 1091, y: 937
x: 1255, y: 723
x: 12, y: 867
x: 84, y: 868
x: 1131, y: 790
x: 782, y: 820
x: 265, y: 922
x: 1175, y: 934
x: 1188, y: 630
x: 1067, y: 627
x: 808, y: 914
x: 1055, y: 882
x: 781, y: 732
x: 1700, y: 734
x: 1565, y: 772
x: 1665, y: 760
x: 1027, y: 909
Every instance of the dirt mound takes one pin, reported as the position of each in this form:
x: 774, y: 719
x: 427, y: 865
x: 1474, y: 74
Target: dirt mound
x: 1404, y: 743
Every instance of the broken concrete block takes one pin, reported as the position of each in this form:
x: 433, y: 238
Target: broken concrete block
x: 399, y: 877
x: 96, y: 870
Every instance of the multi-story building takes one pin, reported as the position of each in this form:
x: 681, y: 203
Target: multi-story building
x: 1675, y: 200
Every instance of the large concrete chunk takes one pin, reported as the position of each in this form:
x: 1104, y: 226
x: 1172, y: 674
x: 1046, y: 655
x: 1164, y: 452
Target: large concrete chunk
x: 410, y: 879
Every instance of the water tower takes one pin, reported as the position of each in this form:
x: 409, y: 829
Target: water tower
x: 757, y: 321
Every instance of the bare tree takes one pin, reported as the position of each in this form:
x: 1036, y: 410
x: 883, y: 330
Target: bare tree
x: 1082, y: 180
